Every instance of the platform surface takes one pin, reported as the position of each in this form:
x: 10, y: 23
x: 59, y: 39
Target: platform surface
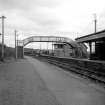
x: 33, y: 82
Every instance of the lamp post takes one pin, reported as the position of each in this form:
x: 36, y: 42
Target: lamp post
x: 2, y: 18
x: 95, y: 23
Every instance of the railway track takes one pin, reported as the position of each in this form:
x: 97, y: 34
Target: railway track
x: 96, y: 76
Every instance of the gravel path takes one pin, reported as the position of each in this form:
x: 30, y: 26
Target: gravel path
x: 20, y: 84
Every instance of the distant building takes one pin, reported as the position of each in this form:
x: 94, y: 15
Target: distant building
x: 63, y: 50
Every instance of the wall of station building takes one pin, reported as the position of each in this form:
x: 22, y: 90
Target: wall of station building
x: 95, y: 43
x: 63, y: 50
x: 99, y: 52
x: 20, y: 51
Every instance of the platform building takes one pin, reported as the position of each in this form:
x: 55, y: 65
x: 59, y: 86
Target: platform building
x: 96, y: 44
x: 63, y: 50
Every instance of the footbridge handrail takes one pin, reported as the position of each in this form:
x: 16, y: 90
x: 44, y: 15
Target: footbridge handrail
x: 46, y: 39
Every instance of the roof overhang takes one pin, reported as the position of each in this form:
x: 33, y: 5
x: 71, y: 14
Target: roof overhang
x: 91, y: 37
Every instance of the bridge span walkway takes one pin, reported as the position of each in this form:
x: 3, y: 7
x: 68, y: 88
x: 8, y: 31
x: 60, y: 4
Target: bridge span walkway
x: 32, y: 82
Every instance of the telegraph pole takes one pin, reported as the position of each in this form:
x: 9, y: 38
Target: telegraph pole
x: 15, y: 44
x: 2, y: 18
x: 95, y: 23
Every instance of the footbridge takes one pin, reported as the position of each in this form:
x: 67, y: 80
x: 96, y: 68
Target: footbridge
x: 80, y: 50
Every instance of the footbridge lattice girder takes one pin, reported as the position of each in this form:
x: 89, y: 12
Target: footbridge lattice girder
x: 46, y: 39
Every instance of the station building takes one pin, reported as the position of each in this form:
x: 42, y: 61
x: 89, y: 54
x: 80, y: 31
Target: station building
x: 66, y: 50
x: 63, y: 50
x: 96, y: 44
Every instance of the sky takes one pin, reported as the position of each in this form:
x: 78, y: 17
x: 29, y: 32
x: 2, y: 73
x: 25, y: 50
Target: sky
x: 68, y: 18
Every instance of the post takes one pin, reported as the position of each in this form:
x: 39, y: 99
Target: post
x: 0, y: 34
x: 95, y: 23
x: 52, y: 48
x: 2, y: 57
x: 40, y: 46
x: 15, y: 45
x: 47, y: 48
x: 23, y: 51
x: 90, y: 46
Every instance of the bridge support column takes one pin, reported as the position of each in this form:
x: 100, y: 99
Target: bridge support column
x: 20, y: 50
x: 90, y: 47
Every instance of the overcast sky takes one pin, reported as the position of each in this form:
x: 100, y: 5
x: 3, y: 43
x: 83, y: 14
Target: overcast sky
x: 70, y: 18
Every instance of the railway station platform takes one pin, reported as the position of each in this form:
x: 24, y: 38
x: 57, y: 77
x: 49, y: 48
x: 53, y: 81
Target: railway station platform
x: 29, y: 81
x: 20, y: 84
